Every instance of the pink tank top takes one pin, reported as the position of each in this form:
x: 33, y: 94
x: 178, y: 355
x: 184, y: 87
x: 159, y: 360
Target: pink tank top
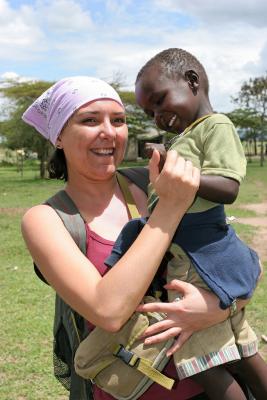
x: 98, y: 249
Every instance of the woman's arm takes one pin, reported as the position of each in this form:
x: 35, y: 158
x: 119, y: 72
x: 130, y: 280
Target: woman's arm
x: 109, y: 301
x: 198, y: 309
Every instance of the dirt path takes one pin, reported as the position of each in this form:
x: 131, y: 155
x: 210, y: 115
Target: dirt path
x: 259, y: 241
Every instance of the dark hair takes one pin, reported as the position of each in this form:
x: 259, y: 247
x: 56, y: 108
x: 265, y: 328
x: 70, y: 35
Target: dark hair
x: 57, y: 166
x: 175, y: 63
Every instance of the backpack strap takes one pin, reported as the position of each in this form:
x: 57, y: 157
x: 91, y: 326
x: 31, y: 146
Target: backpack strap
x: 138, y: 175
x: 65, y: 317
x: 71, y: 217
x: 128, y: 197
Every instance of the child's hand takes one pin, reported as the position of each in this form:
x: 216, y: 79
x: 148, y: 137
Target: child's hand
x: 198, y: 309
x: 149, y: 149
x: 177, y: 183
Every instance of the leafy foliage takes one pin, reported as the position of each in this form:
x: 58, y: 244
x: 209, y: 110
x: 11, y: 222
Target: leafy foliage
x: 20, y: 135
x: 252, y: 99
x: 17, y: 133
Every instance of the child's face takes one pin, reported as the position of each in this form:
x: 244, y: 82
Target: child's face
x: 170, y: 102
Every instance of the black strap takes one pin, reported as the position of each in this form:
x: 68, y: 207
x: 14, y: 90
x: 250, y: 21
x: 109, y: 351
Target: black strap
x: 138, y: 175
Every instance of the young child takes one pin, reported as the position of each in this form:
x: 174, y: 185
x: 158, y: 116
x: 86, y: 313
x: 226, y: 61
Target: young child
x: 173, y: 89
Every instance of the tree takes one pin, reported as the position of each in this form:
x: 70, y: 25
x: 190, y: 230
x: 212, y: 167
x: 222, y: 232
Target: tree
x: 140, y: 126
x: 17, y: 133
x: 248, y: 125
x: 253, y: 97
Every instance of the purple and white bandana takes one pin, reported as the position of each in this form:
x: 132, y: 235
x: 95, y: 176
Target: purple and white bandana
x: 49, y: 113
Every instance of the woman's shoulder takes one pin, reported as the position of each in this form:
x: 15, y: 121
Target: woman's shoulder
x: 39, y: 214
x: 39, y: 209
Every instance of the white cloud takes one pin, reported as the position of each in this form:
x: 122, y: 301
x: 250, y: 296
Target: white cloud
x: 228, y: 37
x: 24, y: 32
x: 116, y: 6
x: 64, y: 16
x: 226, y: 11
x: 19, y: 34
x: 13, y: 76
x: 10, y: 76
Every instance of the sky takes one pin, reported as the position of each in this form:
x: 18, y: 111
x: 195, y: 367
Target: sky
x: 49, y: 40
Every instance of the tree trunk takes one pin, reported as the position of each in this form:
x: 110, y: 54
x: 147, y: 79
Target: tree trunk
x: 43, y: 156
x: 42, y: 168
x: 262, y: 149
x: 255, y: 146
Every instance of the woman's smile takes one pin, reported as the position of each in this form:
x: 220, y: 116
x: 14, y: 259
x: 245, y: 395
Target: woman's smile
x: 103, y: 151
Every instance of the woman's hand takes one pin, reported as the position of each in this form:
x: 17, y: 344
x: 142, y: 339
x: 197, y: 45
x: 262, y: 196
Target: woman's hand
x: 198, y: 309
x: 178, y: 181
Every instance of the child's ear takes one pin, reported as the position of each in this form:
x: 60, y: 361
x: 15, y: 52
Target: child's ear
x: 193, y: 80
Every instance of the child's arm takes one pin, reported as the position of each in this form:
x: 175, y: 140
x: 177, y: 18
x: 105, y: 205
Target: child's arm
x: 212, y: 187
x: 223, y: 163
x: 218, y: 189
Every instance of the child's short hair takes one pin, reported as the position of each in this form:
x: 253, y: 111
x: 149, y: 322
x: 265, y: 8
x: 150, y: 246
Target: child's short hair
x: 175, y: 62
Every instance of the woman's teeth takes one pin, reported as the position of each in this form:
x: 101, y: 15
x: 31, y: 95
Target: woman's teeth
x: 106, y: 152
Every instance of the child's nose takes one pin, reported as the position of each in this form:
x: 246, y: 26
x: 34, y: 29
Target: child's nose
x: 157, y: 117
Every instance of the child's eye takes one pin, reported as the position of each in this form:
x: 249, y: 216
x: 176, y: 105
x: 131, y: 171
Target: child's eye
x: 149, y: 113
x: 159, y: 100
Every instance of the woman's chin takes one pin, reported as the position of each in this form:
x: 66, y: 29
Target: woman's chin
x: 105, y: 171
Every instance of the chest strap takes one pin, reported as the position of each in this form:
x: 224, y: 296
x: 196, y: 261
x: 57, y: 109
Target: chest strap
x: 128, y: 197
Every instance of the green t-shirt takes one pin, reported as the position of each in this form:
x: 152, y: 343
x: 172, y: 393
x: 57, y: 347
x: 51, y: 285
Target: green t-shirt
x: 213, y: 145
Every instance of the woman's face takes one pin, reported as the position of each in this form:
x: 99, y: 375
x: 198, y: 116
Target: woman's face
x: 94, y: 139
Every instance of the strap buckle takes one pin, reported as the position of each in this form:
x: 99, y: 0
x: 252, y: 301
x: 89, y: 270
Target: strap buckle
x: 126, y: 356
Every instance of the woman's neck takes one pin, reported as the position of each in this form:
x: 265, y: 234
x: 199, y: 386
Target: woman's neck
x: 86, y: 192
x: 101, y: 204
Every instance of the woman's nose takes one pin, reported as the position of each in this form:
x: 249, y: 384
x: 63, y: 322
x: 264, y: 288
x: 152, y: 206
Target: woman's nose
x: 108, y: 129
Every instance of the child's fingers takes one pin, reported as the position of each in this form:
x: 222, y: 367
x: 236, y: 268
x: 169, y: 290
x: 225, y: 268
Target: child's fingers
x: 182, y: 338
x: 159, y: 327
x: 157, y: 307
x: 154, y: 166
x: 171, y: 161
x: 180, y: 286
x: 163, y: 336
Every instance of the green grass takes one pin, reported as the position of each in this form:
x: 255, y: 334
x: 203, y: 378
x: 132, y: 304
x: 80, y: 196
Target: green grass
x: 253, y: 190
x: 26, y: 304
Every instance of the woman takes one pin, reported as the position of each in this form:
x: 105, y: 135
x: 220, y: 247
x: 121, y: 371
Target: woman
x: 85, y: 119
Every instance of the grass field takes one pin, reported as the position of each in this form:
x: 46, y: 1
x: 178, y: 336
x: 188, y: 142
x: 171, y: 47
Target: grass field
x: 26, y: 304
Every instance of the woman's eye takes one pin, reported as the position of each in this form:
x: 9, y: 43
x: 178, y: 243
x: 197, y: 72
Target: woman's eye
x: 119, y: 121
x: 89, y: 121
